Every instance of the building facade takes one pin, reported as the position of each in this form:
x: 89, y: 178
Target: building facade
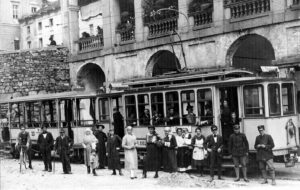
x: 187, y: 34
x: 10, y: 12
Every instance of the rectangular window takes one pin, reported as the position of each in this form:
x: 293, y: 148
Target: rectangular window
x: 49, y: 116
x: 15, y: 11
x: 130, y: 109
x: 33, y: 9
x: 172, y: 105
x: 17, y: 115
x: 51, y: 22
x: 104, y: 110
x: 86, y: 111
x: 157, y: 105
x: 117, y: 103
x: 187, y: 106
x: 40, y: 42
x: 205, y: 109
x: 17, y: 44
x: 40, y: 26
x: 288, y: 99
x: 253, y: 101
x: 274, y: 99
x: 66, y: 112
x: 91, y: 29
x: 33, y: 114
x: 29, y: 44
x: 144, y: 109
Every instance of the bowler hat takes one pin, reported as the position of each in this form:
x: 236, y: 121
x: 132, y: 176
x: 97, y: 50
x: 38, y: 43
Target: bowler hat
x: 261, y: 127
x: 214, y: 128
x: 235, y: 127
x: 99, y: 125
x: 61, y: 130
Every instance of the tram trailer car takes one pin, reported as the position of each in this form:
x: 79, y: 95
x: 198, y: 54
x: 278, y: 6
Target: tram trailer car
x: 74, y: 111
x: 255, y: 100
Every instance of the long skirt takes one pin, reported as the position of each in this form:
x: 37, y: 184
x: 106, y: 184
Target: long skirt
x: 87, y: 155
x: 114, y: 161
x: 183, y: 158
x: 153, y: 158
x: 169, y: 160
x: 131, y: 159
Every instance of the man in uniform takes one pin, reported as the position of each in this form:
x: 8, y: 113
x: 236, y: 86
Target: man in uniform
x: 214, y: 144
x: 264, y: 144
x: 101, y: 148
x: 238, y: 147
x: 45, y: 142
x: 62, y: 147
x: 24, y: 140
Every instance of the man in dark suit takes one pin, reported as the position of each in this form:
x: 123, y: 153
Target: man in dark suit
x: 62, y: 147
x: 101, y: 148
x: 214, y: 144
x: 264, y: 144
x: 45, y: 142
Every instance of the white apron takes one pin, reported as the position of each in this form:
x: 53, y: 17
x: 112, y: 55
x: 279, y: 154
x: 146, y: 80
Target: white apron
x: 199, y: 151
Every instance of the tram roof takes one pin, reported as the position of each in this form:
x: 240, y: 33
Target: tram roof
x: 61, y: 95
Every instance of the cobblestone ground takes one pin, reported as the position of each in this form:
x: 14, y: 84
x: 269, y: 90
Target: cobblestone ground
x: 36, y: 179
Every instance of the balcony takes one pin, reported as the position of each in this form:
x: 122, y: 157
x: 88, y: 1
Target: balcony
x: 90, y: 44
x: 127, y: 36
x: 163, y: 27
x: 202, y: 19
x: 244, y: 8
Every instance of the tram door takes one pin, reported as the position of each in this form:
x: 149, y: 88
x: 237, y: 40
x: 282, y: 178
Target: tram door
x: 229, y: 110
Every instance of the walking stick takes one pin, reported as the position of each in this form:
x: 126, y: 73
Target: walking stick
x: 54, y: 162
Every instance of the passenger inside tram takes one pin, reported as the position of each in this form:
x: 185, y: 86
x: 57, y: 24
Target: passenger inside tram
x: 131, y: 121
x: 172, y: 117
x: 207, y: 118
x: 190, y: 117
x: 145, y: 118
x: 157, y: 118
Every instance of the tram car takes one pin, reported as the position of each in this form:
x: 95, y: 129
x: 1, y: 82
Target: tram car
x: 200, y: 99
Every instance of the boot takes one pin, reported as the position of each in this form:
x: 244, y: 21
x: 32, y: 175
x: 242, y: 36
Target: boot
x: 114, y: 172
x: 245, y: 174
x: 201, y: 171
x: 144, y: 174
x: 264, y: 175
x: 88, y: 169
x: 120, y: 172
x: 30, y: 166
x: 237, y: 174
x: 94, y: 172
x: 156, y: 174
x: 273, y: 177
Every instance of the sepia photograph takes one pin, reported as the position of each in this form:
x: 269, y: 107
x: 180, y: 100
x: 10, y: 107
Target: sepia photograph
x: 149, y: 94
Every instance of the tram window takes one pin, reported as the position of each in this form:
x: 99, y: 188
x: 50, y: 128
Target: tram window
x: 66, y: 112
x: 117, y: 103
x: 187, y: 105
x: 157, y: 105
x: 288, y: 99
x: 130, y: 106
x: 205, y: 111
x: 33, y: 114
x: 144, y: 109
x: 172, y: 104
x: 49, y: 113
x: 3, y: 113
x: 17, y: 115
x: 86, y: 111
x: 274, y: 99
x: 253, y: 101
x: 104, y: 110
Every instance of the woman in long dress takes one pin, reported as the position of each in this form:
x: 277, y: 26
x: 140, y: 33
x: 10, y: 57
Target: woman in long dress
x: 153, y: 157
x: 89, y: 143
x: 199, y: 153
x: 114, y: 143
x: 169, y: 153
x: 182, y: 151
x: 129, y: 144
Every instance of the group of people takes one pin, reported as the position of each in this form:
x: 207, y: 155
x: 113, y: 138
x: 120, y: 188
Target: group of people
x: 173, y: 152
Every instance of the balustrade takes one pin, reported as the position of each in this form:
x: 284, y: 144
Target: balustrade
x: 242, y: 8
x: 202, y: 18
x: 162, y: 27
x: 127, y: 35
x: 90, y: 44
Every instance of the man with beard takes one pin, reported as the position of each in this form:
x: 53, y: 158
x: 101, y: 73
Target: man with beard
x: 45, y: 142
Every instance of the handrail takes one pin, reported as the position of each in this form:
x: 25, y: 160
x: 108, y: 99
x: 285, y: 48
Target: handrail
x: 90, y: 43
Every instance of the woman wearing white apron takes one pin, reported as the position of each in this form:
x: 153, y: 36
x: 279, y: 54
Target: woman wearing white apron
x: 199, y: 152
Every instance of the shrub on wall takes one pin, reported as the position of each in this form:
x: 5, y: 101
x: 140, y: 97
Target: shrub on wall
x: 200, y: 6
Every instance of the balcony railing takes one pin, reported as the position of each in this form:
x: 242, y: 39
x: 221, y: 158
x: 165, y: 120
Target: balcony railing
x: 127, y: 35
x: 243, y: 8
x: 162, y: 27
x: 90, y: 44
x: 202, y: 18
x: 296, y: 2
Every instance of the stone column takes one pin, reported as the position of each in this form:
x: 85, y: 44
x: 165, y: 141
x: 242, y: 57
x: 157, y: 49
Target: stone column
x: 70, y: 9
x: 111, y: 18
x: 219, y: 12
x: 139, y: 22
x: 183, y: 21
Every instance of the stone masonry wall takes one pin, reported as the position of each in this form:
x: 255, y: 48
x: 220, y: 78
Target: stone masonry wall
x: 34, y: 71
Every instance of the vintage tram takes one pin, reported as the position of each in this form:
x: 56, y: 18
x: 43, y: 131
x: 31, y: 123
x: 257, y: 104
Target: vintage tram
x: 255, y: 100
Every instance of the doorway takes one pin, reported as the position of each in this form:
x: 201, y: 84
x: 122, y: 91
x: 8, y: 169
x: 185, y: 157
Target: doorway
x: 229, y: 110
